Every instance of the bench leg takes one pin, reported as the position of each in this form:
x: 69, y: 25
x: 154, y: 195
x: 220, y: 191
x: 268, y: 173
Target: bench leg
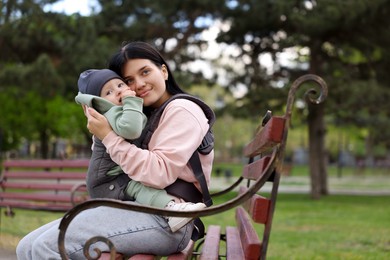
x: 9, y: 212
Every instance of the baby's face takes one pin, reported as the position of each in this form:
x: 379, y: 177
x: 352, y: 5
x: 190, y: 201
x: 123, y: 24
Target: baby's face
x: 113, y: 90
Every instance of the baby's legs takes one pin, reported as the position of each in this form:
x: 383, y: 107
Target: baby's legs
x: 161, y: 199
x: 148, y: 196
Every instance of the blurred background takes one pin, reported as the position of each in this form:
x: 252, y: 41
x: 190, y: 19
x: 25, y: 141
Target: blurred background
x: 239, y: 56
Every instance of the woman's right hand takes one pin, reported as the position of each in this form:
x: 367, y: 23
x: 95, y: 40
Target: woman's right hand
x: 97, y: 123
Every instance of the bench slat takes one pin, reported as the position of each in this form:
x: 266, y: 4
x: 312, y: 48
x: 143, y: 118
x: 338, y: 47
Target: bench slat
x: 249, y: 239
x: 142, y: 257
x: 44, y: 175
x: 256, y: 169
x: 268, y: 136
x: 106, y: 256
x: 44, y: 164
x: 185, y: 254
x: 36, y: 196
x: 257, y: 207
x: 35, y: 206
x: 39, y: 186
x: 210, y: 249
x: 234, y: 249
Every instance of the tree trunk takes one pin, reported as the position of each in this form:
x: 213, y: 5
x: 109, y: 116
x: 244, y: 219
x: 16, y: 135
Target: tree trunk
x: 317, y: 152
x: 44, y: 144
x: 369, y: 160
x: 1, y: 145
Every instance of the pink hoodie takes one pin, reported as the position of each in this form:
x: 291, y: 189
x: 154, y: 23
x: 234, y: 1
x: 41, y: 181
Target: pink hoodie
x: 180, y: 131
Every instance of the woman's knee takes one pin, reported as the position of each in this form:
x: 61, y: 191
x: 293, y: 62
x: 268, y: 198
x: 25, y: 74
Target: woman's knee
x: 45, y: 249
x: 23, y: 249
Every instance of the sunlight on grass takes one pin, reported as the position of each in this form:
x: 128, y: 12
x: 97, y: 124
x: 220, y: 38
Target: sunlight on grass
x: 8, y: 241
x: 12, y: 229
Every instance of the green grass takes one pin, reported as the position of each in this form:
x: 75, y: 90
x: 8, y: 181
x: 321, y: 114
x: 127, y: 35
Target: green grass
x: 335, y: 227
x: 12, y: 229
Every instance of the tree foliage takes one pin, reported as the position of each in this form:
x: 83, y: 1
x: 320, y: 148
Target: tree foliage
x: 346, y: 42
x: 333, y: 39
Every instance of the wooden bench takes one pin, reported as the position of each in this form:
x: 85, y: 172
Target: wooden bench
x: 50, y: 185
x: 265, y: 155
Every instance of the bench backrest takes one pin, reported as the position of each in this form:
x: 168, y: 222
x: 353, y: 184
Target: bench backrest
x: 53, y: 185
x: 263, y: 153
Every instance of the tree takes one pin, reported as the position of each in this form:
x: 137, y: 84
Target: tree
x: 330, y: 38
x: 42, y: 56
x: 323, y: 33
x: 174, y: 29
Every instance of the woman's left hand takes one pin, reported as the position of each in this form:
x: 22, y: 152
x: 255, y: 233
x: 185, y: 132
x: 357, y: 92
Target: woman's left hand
x: 97, y: 123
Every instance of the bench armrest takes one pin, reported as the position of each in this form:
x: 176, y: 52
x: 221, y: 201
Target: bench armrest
x: 78, y: 187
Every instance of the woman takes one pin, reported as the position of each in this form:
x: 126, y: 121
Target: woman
x: 180, y: 131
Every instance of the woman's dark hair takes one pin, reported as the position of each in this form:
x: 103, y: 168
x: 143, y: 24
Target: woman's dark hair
x: 142, y: 50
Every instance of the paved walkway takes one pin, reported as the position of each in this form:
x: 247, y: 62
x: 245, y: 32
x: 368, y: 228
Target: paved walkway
x: 7, y: 254
x: 337, y: 186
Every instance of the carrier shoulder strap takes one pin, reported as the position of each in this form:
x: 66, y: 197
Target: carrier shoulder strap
x: 199, y: 175
x: 208, y: 141
x: 205, y: 147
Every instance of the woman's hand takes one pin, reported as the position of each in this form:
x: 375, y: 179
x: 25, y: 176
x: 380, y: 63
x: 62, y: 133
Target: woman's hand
x: 97, y: 123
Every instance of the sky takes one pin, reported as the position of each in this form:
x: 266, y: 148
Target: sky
x: 82, y: 7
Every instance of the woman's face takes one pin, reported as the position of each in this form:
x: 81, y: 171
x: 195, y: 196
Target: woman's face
x: 147, y: 80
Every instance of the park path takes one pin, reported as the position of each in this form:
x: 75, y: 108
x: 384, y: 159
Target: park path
x: 6, y: 254
x: 350, y: 185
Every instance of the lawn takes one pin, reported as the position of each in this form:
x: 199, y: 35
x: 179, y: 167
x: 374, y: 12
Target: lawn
x: 335, y: 227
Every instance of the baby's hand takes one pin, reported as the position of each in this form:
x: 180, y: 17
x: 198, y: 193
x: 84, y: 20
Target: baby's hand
x: 128, y: 93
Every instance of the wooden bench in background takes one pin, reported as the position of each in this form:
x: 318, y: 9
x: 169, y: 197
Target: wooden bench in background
x: 50, y: 185
x: 265, y: 155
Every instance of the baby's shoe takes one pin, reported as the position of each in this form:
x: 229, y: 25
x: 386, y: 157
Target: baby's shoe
x: 175, y: 223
